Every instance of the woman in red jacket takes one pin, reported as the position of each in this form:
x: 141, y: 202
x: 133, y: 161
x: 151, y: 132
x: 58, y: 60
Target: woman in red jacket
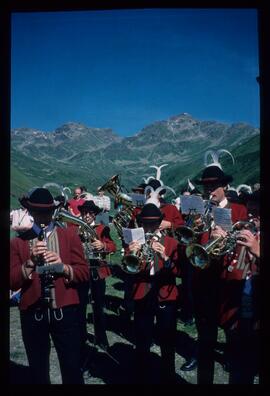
x: 46, y: 263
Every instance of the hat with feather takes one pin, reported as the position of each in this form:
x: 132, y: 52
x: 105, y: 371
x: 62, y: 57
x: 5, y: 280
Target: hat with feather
x: 213, y: 173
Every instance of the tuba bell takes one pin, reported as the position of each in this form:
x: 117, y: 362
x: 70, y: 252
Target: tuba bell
x: 196, y: 224
x: 133, y: 263
x: 113, y: 187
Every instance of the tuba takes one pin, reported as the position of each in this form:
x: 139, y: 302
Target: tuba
x: 134, y: 263
x: 112, y: 186
x: 122, y: 218
x: 200, y: 256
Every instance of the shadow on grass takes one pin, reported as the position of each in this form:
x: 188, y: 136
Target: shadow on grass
x: 100, y: 365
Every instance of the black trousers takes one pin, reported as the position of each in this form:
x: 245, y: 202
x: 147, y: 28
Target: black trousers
x: 187, y: 269
x: 97, y: 288
x: 206, y: 305
x: 63, y: 326
x: 146, y: 310
x: 243, y: 353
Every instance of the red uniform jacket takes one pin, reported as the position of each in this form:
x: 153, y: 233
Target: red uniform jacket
x: 163, y: 279
x: 71, y: 253
x: 103, y: 233
x: 172, y: 214
x: 236, y: 268
x: 203, y: 279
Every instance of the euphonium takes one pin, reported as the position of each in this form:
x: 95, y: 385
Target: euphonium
x: 134, y: 263
x: 85, y: 229
x: 200, y: 255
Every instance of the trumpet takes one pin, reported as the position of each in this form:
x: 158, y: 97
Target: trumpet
x: 133, y: 263
x: 200, y: 256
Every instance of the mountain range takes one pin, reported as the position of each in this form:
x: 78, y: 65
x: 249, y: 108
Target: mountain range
x: 75, y: 154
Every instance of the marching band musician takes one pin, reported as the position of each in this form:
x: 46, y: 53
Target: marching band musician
x: 239, y: 311
x: 126, y: 309
x: 49, y: 304
x: 99, y: 271
x: 206, y: 282
x: 172, y: 217
x: 155, y: 294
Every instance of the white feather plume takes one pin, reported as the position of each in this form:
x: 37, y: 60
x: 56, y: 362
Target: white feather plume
x: 191, y: 186
x: 148, y: 179
x: 215, y: 157
x: 158, y: 168
x: 247, y: 188
x: 51, y: 184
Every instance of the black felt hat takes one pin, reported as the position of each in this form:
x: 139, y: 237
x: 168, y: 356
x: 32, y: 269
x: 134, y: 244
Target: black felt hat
x: 155, y: 184
x: 214, y: 175
x: 232, y: 196
x: 140, y: 188
x: 90, y: 206
x: 150, y: 214
x: 39, y: 200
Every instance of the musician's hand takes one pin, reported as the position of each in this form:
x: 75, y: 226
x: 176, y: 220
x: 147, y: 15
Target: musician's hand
x: 134, y: 247
x: 217, y: 231
x: 98, y: 245
x: 249, y: 240
x: 52, y: 257
x: 160, y: 249
x: 39, y: 249
x: 164, y: 225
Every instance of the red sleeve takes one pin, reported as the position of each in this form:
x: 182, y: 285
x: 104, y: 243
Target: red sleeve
x: 239, y: 212
x: 172, y: 249
x: 105, y: 237
x: 172, y: 214
x: 17, y: 252
x: 76, y: 257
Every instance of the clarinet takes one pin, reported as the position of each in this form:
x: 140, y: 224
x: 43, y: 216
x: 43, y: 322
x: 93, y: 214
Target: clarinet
x: 46, y: 277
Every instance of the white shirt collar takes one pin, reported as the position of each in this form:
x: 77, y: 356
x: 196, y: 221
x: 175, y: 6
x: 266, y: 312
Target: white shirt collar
x: 223, y: 203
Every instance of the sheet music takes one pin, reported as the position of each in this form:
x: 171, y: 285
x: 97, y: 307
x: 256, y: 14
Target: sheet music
x: 137, y: 199
x: 223, y: 218
x: 192, y: 203
x: 133, y: 234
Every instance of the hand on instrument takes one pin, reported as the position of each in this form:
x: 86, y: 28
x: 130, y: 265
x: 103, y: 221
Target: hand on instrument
x: 52, y: 257
x: 160, y: 249
x: 164, y: 225
x: 246, y: 238
x: 217, y: 231
x: 98, y: 245
x: 37, y: 250
x: 134, y: 247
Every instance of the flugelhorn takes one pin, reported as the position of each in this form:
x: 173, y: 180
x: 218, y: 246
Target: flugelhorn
x: 133, y: 263
x: 196, y: 224
x: 200, y: 256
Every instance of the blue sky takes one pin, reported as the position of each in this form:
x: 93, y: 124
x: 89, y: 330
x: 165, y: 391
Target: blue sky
x: 125, y: 69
